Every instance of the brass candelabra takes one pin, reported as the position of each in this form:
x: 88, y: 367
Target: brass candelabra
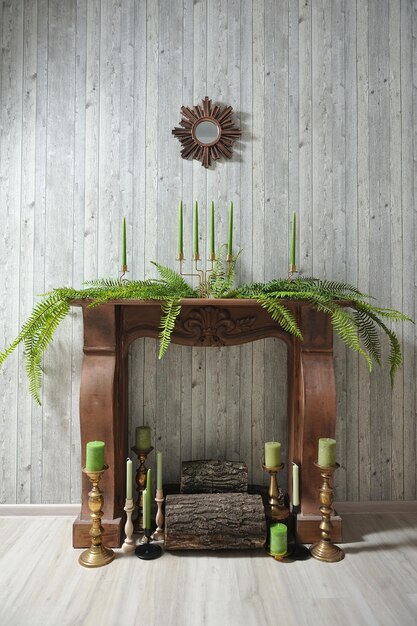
x: 277, y: 511
x: 140, y: 483
x: 325, y: 550
x: 202, y: 275
x: 97, y: 554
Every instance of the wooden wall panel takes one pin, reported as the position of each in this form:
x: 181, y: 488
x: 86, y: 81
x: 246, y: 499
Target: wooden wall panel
x: 325, y: 95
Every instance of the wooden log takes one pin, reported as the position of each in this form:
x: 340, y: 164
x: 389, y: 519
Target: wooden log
x: 214, y: 521
x: 213, y: 477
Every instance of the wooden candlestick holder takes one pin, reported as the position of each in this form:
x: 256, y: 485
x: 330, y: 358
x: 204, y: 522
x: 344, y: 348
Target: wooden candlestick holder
x: 159, y: 534
x: 276, y: 511
x: 325, y: 550
x: 140, y: 484
x: 97, y: 554
x: 129, y: 544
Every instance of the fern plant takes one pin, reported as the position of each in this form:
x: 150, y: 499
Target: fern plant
x: 359, y: 328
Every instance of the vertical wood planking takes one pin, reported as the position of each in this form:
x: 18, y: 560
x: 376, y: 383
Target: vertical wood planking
x: 412, y: 425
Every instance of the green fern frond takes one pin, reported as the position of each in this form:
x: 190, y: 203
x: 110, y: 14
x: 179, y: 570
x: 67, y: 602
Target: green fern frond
x: 174, y: 281
x: 282, y: 315
x: 170, y: 311
x: 369, y: 334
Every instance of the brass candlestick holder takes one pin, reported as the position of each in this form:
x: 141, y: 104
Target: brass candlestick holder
x: 123, y: 270
x: 97, y: 554
x: 129, y: 544
x: 292, y: 270
x: 202, y: 275
x: 140, y: 484
x: 277, y: 511
x: 159, y: 534
x: 325, y: 550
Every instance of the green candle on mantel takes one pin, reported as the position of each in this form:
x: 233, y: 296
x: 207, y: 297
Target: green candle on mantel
x: 196, y: 229
x: 143, y: 437
x: 124, y: 242
x: 212, y: 245
x: 230, y: 239
x: 327, y: 452
x: 293, y: 231
x: 272, y: 454
x: 295, y: 485
x: 159, y: 470
x: 181, y: 230
x: 94, y: 457
x: 128, y: 479
x: 148, y: 499
x: 278, y: 539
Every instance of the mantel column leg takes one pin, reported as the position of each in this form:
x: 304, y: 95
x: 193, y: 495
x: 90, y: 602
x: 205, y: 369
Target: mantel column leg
x: 103, y: 418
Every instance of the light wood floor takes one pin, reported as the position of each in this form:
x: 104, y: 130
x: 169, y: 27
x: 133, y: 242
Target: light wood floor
x: 41, y: 583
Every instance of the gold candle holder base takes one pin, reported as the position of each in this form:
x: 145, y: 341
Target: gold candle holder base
x: 159, y: 534
x: 97, y: 554
x: 123, y: 270
x: 141, y: 473
x: 325, y: 550
x: 129, y: 544
x: 292, y: 270
x: 276, y: 511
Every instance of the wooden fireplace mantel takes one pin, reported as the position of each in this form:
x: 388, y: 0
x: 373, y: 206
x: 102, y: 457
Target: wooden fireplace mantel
x: 109, y: 329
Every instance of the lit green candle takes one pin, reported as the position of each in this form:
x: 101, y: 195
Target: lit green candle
x: 272, y: 454
x: 230, y: 239
x: 278, y: 539
x: 143, y: 437
x: 128, y: 479
x: 196, y: 228
x: 148, y: 499
x: 293, y: 231
x: 124, y: 242
x: 181, y: 230
x: 94, y: 457
x: 212, y: 228
x: 327, y: 452
x: 159, y: 470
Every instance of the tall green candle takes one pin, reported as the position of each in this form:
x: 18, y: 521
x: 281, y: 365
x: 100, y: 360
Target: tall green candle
x: 293, y: 232
x: 124, y: 242
x: 212, y: 245
x: 129, y: 479
x: 148, y: 498
x: 159, y: 470
x: 143, y: 437
x: 94, y: 457
x: 181, y: 230
x: 230, y: 239
x: 327, y: 452
x: 196, y: 228
x: 144, y: 508
x: 278, y: 539
x: 295, y: 485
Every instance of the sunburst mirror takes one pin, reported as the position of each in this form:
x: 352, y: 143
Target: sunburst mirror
x: 206, y: 132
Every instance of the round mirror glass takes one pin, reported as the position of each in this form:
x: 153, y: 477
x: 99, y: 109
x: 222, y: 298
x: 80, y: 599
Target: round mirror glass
x: 206, y: 132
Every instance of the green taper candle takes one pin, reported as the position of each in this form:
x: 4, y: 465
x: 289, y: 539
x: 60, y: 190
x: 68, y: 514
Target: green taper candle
x: 143, y: 437
x: 327, y: 452
x: 272, y: 454
x: 94, y: 457
x: 293, y: 232
x: 148, y: 498
x: 295, y: 485
x: 181, y: 230
x: 278, y: 539
x: 230, y: 239
x: 124, y: 242
x: 196, y: 229
x: 144, y: 508
x: 159, y: 470
x: 212, y: 228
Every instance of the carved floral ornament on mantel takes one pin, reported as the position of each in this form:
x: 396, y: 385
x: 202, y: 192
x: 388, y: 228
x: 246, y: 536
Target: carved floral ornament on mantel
x: 206, y: 132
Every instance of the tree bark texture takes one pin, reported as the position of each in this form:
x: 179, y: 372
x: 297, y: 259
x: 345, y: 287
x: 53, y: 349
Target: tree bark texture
x: 213, y: 477
x: 214, y: 521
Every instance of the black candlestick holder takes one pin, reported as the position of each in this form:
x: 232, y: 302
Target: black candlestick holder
x: 299, y: 551
x: 148, y: 551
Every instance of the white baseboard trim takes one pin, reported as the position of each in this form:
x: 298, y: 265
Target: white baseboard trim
x: 343, y: 508
x: 18, y: 510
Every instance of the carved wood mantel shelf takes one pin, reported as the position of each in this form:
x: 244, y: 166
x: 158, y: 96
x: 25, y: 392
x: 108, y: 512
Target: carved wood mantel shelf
x: 109, y: 330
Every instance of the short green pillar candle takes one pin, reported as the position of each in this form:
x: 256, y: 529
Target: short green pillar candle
x: 327, y: 452
x: 143, y: 437
x: 94, y: 457
x: 278, y: 539
x: 272, y: 454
